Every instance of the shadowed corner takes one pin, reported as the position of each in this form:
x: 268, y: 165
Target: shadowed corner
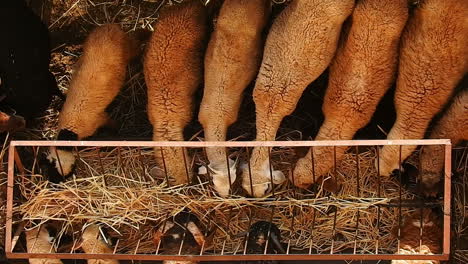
x: 3, y: 259
x: 11, y: 123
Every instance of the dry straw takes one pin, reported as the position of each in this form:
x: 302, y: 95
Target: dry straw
x: 114, y: 187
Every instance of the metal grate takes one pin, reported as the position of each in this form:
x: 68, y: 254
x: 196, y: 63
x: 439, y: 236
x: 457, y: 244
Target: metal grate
x: 229, y: 246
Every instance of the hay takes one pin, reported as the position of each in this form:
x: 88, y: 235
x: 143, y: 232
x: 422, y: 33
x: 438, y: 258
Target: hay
x: 124, y: 189
x: 118, y: 191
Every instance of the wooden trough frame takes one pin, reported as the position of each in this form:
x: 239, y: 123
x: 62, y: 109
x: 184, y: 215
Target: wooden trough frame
x: 14, y: 161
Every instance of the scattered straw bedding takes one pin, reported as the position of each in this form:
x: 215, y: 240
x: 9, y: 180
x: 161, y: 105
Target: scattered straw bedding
x: 127, y: 200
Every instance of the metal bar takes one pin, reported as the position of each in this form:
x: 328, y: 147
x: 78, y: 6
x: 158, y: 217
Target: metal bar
x: 116, y: 246
x: 312, y: 231
x: 200, y: 144
x: 186, y: 166
x: 100, y: 160
x: 224, y: 246
x: 59, y: 162
x: 163, y: 231
x: 207, y: 229
x: 399, y: 199
x: 247, y: 235
x: 356, y: 232
x: 36, y: 153
x: 335, y: 178
x: 250, y: 172
x: 142, y: 165
x: 185, y: 232
x: 358, y: 194
x: 229, y: 257
x: 270, y: 166
x: 409, y: 204
x: 137, y: 246
x: 119, y: 162
x: 208, y: 172
x: 313, y: 165
x: 292, y: 226
x: 9, y: 205
x: 269, y: 230
x: 293, y: 182
x: 165, y: 167
x: 358, y: 182
x: 447, y: 198
x: 73, y: 248
x: 333, y: 232
x: 379, y: 184
x: 228, y: 171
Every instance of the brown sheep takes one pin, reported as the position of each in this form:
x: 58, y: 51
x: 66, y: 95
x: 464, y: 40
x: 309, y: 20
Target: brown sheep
x: 38, y: 240
x: 98, y: 78
x: 433, y: 59
x: 173, y: 69
x: 453, y: 125
x: 299, y: 47
x: 410, y: 236
x: 360, y: 74
x: 231, y: 63
x: 92, y: 242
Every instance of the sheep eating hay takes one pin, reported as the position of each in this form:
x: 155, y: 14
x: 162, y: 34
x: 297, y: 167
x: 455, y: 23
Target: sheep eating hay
x: 99, y: 76
x: 452, y: 125
x: 173, y: 66
x: 433, y: 59
x: 360, y: 74
x: 231, y: 62
x: 287, y: 68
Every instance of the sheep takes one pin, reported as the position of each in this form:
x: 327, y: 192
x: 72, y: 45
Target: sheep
x: 298, y: 48
x: 99, y: 76
x: 93, y: 242
x: 410, y: 236
x: 231, y: 62
x: 26, y: 84
x: 360, y: 74
x: 39, y: 240
x: 453, y: 125
x: 11, y: 123
x: 173, y: 69
x: 171, y: 234
x: 433, y: 59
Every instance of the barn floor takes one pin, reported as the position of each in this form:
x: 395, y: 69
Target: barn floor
x: 70, y: 21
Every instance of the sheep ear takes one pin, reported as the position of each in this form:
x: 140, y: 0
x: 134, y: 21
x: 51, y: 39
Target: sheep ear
x: 161, y: 231
x: 196, y: 232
